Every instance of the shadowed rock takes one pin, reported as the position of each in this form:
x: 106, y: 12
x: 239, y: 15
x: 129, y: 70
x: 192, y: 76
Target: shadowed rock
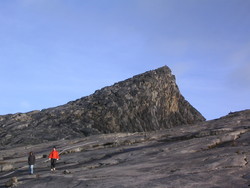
x: 146, y: 102
x: 207, y: 154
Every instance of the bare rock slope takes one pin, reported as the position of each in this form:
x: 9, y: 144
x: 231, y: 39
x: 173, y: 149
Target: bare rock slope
x: 211, y: 154
x: 146, y: 102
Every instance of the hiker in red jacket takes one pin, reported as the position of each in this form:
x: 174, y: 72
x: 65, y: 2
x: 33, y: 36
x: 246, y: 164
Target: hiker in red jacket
x: 54, y: 156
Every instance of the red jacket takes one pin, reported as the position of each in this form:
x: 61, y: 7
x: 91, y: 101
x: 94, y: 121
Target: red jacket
x: 54, y: 155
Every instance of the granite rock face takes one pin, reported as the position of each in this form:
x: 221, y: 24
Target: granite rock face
x: 210, y: 154
x: 146, y: 102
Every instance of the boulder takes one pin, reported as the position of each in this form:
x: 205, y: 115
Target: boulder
x: 12, y: 182
x: 6, y: 167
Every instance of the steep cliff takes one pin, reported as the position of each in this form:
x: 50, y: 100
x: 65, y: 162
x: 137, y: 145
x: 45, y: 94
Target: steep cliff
x: 146, y: 102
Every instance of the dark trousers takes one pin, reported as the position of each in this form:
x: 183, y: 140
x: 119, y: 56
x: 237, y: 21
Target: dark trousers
x: 53, y: 163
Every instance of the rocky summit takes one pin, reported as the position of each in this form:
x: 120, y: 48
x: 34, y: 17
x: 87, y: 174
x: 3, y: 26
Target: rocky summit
x: 140, y: 133
x: 146, y: 102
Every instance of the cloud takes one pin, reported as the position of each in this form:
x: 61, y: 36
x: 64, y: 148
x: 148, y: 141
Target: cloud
x: 25, y: 105
x: 182, y: 68
x: 37, y: 2
x: 239, y: 76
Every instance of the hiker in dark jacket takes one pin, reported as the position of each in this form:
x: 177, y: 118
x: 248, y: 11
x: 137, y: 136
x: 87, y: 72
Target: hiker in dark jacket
x: 31, y: 162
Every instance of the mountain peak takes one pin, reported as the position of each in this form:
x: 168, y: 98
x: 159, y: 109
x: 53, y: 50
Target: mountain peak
x: 145, y: 102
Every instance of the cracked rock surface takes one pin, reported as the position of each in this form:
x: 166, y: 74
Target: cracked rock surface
x: 146, y: 102
x: 209, y: 154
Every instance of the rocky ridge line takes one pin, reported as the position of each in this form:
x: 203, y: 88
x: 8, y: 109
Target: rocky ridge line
x: 146, y: 102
